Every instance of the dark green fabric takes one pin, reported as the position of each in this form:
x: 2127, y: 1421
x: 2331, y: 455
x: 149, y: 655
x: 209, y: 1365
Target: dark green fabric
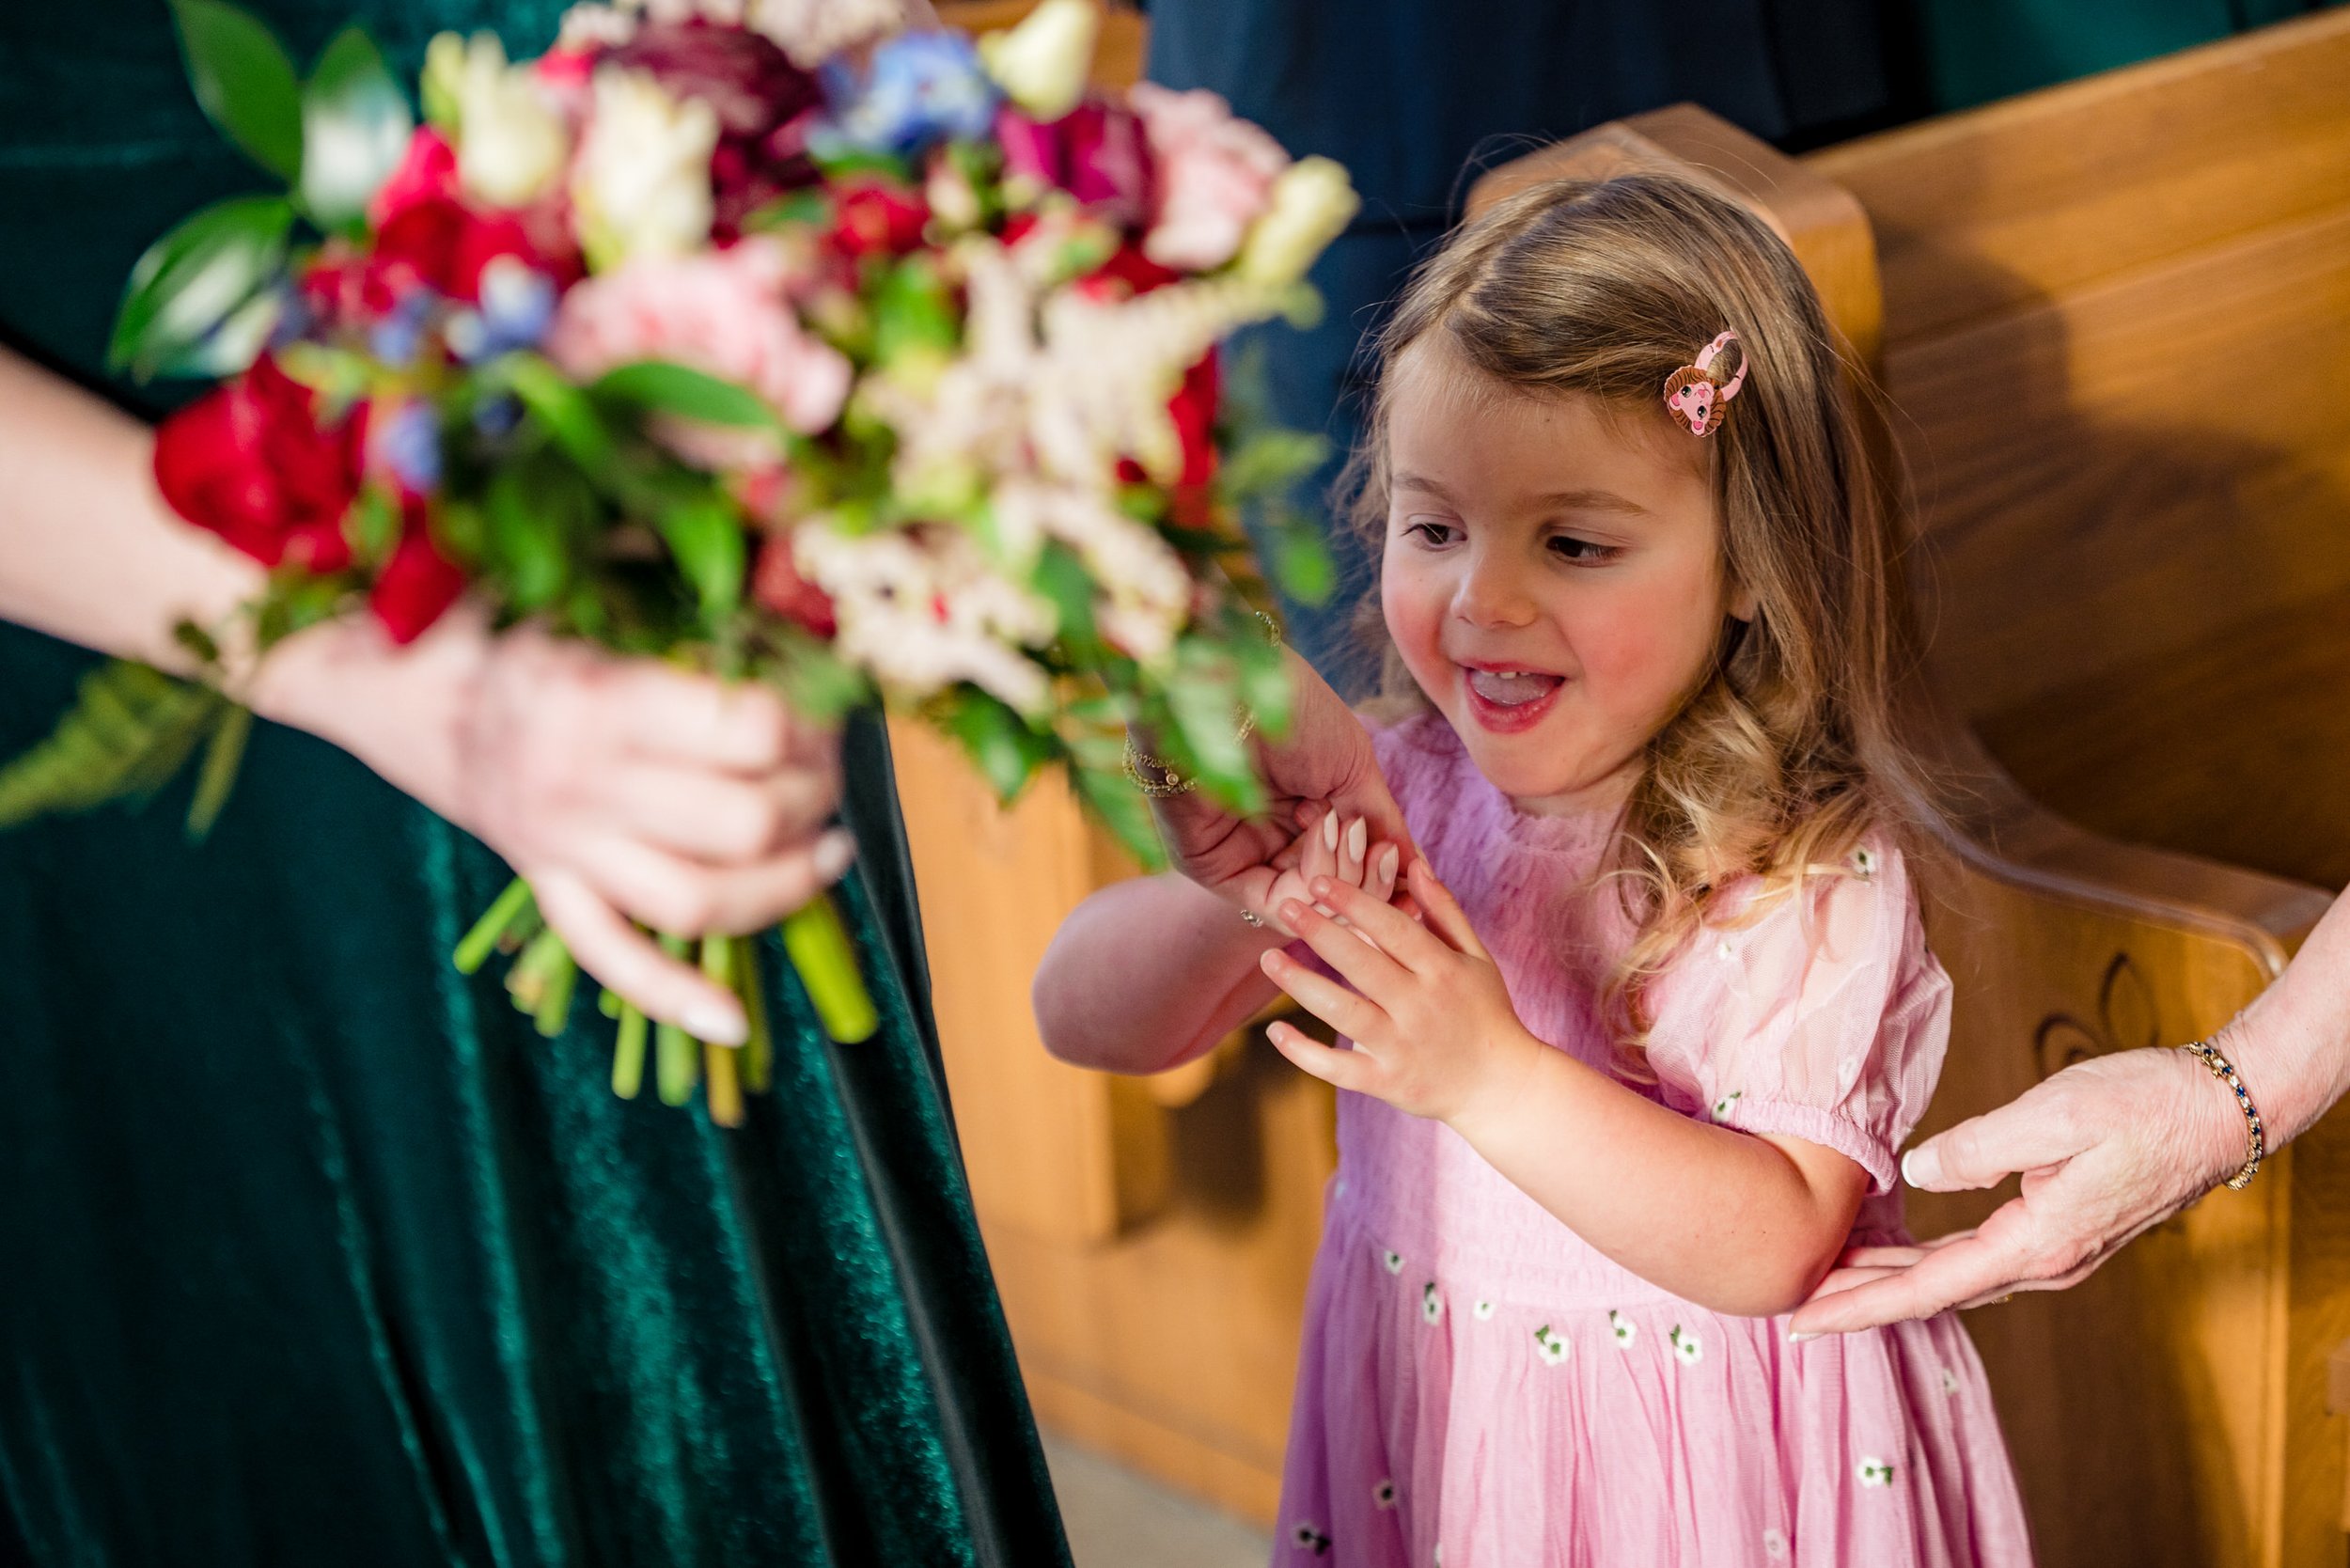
x: 1979, y: 50
x: 311, y: 1251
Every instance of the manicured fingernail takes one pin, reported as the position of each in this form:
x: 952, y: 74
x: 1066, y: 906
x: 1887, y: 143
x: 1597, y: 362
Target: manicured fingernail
x: 834, y: 853
x: 1330, y: 831
x: 1387, y: 858
x: 719, y: 1025
x: 1796, y: 1339
x: 1357, y: 839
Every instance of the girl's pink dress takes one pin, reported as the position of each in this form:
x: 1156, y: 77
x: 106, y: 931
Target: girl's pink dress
x: 1480, y: 1389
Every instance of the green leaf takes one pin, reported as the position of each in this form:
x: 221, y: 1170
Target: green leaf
x: 1268, y: 462
x: 560, y: 408
x: 356, y: 125
x: 222, y: 758
x: 660, y: 386
x: 372, y: 526
x: 706, y: 536
x: 1113, y: 798
x: 526, y: 539
x: 819, y: 684
x: 1302, y: 564
x: 1062, y: 578
x: 197, y: 280
x: 912, y: 312
x: 808, y: 206
x: 129, y: 728
x: 1207, y: 706
x: 998, y: 740
x: 245, y: 82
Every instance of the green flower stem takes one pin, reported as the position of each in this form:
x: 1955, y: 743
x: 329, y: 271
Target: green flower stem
x: 535, y: 972
x: 628, y: 1052
x: 724, y: 1091
x: 821, y: 951
x: 554, y: 995
x: 676, y: 1065
x: 474, y: 950
x: 758, y: 1051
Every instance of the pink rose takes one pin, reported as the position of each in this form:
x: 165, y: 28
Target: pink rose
x: 1215, y: 175
x: 722, y: 312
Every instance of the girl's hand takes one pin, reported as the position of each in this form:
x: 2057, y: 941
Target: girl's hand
x: 1334, y: 848
x: 1434, y: 1031
x: 625, y: 790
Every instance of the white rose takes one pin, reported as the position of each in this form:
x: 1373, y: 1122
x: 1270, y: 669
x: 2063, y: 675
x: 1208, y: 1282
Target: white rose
x: 1312, y: 203
x: 642, y: 181
x: 1042, y: 63
x: 510, y: 143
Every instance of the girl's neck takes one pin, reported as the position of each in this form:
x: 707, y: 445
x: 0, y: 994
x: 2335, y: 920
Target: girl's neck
x: 1604, y: 797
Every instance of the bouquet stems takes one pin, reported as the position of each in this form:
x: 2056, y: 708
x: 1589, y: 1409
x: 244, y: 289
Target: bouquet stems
x: 544, y: 976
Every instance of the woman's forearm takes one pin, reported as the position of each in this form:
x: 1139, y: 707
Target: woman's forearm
x: 1734, y: 1222
x: 1147, y: 974
x: 2292, y: 1044
x: 88, y: 551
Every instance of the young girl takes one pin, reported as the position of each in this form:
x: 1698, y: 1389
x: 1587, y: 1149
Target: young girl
x: 1619, y: 1096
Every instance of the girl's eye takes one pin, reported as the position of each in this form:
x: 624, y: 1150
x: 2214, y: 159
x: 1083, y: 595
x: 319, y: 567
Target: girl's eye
x: 1428, y: 530
x: 1583, y: 550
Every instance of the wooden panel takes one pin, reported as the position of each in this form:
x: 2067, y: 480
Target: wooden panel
x: 1981, y: 212
x: 2144, y: 1409
x: 1051, y: 1149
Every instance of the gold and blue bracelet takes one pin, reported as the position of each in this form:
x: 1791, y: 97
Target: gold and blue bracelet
x: 2257, y: 1146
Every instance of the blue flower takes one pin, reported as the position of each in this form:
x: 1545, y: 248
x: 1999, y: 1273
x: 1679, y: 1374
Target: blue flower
x: 921, y: 87
x: 517, y: 307
x: 396, y: 339
x: 411, y: 445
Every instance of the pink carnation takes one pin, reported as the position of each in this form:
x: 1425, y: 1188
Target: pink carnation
x: 721, y: 312
x: 1215, y: 175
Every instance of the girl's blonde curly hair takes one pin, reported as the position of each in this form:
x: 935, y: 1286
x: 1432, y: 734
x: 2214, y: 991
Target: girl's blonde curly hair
x: 1791, y: 745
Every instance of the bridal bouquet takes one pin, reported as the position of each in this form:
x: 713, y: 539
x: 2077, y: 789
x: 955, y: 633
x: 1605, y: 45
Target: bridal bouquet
x: 724, y: 335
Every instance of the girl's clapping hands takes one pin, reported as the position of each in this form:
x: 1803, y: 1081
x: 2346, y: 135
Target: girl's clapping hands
x: 1433, y: 1030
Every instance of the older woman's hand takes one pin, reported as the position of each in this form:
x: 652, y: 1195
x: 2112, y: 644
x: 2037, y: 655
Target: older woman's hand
x: 624, y: 791
x: 1325, y: 764
x: 2106, y: 1148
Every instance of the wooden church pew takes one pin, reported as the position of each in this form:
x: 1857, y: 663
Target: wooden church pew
x: 1153, y: 1240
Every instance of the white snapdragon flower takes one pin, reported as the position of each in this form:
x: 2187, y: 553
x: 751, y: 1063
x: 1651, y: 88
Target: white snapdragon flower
x: 1314, y: 201
x: 511, y: 144
x: 1042, y: 63
x: 642, y: 181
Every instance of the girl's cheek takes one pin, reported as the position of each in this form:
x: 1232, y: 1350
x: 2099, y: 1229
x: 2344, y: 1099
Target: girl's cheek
x: 1412, y: 603
x: 1643, y: 651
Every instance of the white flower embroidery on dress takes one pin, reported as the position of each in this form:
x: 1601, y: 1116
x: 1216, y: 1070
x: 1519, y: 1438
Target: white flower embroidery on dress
x: 1624, y: 1328
x: 1685, y: 1345
x: 1875, y: 1472
x: 1383, y: 1495
x: 1727, y: 1103
x: 1774, y: 1543
x: 1308, y: 1537
x: 1392, y: 1262
x: 1430, y: 1304
x: 1722, y: 950
x: 1864, y: 863
x: 1552, y: 1348
x: 1484, y: 1311
x: 1949, y: 1381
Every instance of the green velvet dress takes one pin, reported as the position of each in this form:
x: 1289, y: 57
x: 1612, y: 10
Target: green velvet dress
x: 311, y: 1251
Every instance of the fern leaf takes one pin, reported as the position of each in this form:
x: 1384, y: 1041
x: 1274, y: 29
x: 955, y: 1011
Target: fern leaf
x: 130, y: 729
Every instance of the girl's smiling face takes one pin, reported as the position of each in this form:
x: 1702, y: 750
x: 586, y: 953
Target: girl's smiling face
x: 1553, y: 575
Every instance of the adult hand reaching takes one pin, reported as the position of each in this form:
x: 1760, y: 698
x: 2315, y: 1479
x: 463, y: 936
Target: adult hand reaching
x: 1325, y: 764
x: 2107, y: 1148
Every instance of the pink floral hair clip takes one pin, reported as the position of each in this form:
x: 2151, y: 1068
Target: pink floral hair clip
x: 1697, y: 392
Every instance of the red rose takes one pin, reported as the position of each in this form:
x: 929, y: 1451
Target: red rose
x: 1128, y: 271
x: 1096, y: 153
x: 875, y: 216
x: 1193, y: 409
x: 418, y: 583
x: 443, y: 245
x: 250, y: 462
x: 427, y: 171
x: 776, y: 583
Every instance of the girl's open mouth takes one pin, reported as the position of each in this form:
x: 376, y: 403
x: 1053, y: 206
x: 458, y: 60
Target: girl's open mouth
x: 1507, y: 700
